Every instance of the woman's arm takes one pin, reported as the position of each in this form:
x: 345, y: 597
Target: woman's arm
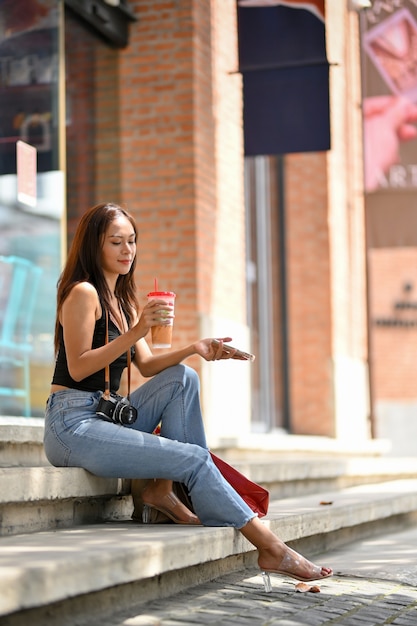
x: 78, y: 317
x: 79, y: 314
x: 150, y: 364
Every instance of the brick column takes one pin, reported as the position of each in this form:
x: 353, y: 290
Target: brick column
x: 182, y: 177
x: 326, y: 259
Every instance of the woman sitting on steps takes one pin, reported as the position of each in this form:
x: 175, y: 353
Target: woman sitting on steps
x: 98, y: 323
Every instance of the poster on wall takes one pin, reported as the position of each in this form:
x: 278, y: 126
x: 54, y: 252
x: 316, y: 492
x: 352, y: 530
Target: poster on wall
x: 389, y: 71
x: 31, y: 197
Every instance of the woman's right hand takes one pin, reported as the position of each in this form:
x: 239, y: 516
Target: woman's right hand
x: 154, y: 313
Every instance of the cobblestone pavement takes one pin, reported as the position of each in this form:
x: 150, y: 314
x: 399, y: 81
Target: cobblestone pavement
x: 374, y: 584
x: 235, y: 600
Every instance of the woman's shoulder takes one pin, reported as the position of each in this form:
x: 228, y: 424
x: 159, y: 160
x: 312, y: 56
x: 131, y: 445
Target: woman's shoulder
x: 84, y: 287
x: 84, y: 292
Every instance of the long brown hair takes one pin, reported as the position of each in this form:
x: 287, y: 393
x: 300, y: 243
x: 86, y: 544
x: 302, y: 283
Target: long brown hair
x: 84, y: 262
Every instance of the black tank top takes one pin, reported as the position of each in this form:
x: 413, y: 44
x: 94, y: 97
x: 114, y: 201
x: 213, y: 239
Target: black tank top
x: 95, y: 382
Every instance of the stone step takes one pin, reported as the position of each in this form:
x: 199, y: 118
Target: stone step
x: 41, y: 497
x: 285, y: 477
x: 21, y: 442
x: 73, y: 573
x: 309, y: 466
x: 33, y: 499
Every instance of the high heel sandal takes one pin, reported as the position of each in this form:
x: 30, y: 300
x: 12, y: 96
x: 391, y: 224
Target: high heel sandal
x: 172, y: 507
x: 290, y: 562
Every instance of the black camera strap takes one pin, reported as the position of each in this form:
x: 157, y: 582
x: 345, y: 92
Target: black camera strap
x: 107, y: 367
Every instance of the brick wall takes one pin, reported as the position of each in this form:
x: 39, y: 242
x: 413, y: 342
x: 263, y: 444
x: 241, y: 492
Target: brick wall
x: 309, y: 300
x: 326, y: 257
x: 157, y: 125
x: 162, y: 135
x: 181, y: 157
x: 92, y: 120
x: 168, y: 146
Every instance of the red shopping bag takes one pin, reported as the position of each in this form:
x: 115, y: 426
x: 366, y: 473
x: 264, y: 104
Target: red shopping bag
x: 255, y: 496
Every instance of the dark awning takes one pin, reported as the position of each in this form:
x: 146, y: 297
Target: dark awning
x: 111, y: 21
x: 282, y: 57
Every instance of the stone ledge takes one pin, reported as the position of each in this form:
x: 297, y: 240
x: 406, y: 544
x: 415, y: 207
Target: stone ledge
x: 280, y: 469
x: 21, y: 429
x: 21, y: 442
x: 29, y: 484
x: 49, y: 515
x: 41, y: 568
x: 258, y: 445
x: 303, y: 445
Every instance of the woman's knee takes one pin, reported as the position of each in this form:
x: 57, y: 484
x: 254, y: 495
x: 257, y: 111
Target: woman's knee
x: 186, y: 374
x: 199, y: 458
x: 191, y: 377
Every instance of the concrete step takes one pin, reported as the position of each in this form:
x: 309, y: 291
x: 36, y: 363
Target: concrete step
x: 287, y: 476
x: 313, y: 463
x: 67, y: 576
x: 40, y: 498
x: 21, y: 442
x: 33, y: 499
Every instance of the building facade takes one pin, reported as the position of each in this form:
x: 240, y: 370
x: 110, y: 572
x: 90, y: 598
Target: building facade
x: 269, y: 250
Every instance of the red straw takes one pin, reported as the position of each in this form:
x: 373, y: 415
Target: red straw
x: 155, y: 282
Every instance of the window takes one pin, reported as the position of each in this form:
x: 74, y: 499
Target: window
x: 266, y: 292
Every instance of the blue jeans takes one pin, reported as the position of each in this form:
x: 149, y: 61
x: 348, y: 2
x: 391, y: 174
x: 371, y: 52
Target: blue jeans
x: 76, y: 437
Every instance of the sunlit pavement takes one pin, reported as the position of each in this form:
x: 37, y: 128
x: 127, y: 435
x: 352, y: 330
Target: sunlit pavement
x: 374, y: 584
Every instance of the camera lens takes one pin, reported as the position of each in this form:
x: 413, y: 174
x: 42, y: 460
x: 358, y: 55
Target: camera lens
x: 117, y: 409
x: 127, y: 414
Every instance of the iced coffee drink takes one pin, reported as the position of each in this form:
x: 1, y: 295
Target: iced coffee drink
x: 162, y: 334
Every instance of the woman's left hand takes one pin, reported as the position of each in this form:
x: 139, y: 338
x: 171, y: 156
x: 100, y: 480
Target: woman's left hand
x: 212, y: 350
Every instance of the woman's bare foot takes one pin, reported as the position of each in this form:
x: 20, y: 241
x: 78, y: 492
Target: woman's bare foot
x: 287, y: 562
x: 276, y: 556
x: 158, y: 495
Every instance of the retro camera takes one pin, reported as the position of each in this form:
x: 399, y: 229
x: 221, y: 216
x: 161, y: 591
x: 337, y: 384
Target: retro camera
x: 117, y: 409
